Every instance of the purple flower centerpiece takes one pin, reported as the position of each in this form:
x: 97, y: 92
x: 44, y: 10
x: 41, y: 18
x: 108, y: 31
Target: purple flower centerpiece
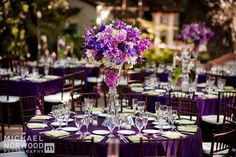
x: 196, y: 34
x: 114, y: 45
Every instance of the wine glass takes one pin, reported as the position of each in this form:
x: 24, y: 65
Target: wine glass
x: 134, y: 103
x: 221, y: 83
x: 46, y: 69
x: 79, y: 121
x: 139, y: 124
x: 86, y: 123
x: 157, y: 108
x: 145, y: 120
x: 111, y: 124
x: 163, y: 109
x: 140, y: 106
x: 173, y: 118
x: 118, y: 120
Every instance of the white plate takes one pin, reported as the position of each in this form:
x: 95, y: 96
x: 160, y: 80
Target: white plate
x: 69, y: 120
x: 126, y: 132
x: 157, y: 123
x: 151, y: 131
x: 199, y: 93
x: 164, y: 127
x: 151, y: 118
x: 70, y: 129
x: 57, y: 124
x: 160, y: 91
x: 149, y: 88
x: 101, y: 132
x: 102, y: 115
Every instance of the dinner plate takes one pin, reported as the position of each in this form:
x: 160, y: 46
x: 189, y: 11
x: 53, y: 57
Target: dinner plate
x: 126, y: 132
x: 102, y: 115
x: 151, y: 118
x: 57, y: 124
x: 160, y: 91
x: 69, y: 120
x: 157, y: 123
x: 101, y: 132
x: 70, y: 129
x: 164, y: 127
x: 151, y: 131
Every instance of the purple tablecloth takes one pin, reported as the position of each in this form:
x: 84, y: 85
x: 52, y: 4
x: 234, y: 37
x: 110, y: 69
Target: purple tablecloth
x: 29, y: 88
x: 191, y: 147
x: 208, y: 105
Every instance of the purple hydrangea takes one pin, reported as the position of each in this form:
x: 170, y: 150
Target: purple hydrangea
x: 196, y: 34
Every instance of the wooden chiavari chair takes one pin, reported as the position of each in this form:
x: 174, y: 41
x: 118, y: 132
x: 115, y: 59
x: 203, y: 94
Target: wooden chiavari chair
x: 5, y: 98
x: 230, y: 117
x: 160, y: 147
x: 68, y: 147
x: 28, y: 107
x: 225, y: 98
x: 1, y: 122
x: 221, y: 144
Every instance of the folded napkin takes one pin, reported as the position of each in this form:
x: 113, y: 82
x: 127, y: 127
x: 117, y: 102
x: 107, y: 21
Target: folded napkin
x: 41, y: 117
x: 36, y: 125
x: 40, y: 80
x: 135, y: 139
x: 137, y: 89
x: 128, y: 110
x: 151, y: 93
x: 15, y: 78
x: 56, y: 133
x: 210, y: 96
x: 97, y: 109
x: 173, y: 135
x: 188, y: 128
x: 184, y: 121
x: 229, y: 88
x: 96, y: 138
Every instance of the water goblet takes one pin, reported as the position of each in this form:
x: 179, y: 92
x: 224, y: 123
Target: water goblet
x: 79, y: 121
x: 140, y: 106
x: 134, y: 104
x: 139, y: 124
x: 111, y: 124
x: 86, y: 123
x: 145, y: 120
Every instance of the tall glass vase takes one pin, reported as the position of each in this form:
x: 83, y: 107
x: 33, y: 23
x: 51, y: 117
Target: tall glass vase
x: 112, y: 76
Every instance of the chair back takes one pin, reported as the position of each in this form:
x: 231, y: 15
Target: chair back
x: 222, y: 141
x: 29, y: 105
x: 68, y: 84
x: 126, y: 99
x: 230, y: 117
x: 78, y: 77
x: 79, y: 100
x: 4, y: 86
x: 1, y: 122
x: 225, y: 98
x: 160, y: 147
x: 72, y: 147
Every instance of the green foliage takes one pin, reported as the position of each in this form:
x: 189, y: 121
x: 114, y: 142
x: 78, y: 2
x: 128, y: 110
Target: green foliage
x: 176, y: 74
x: 158, y: 55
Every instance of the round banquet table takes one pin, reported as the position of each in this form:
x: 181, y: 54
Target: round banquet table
x: 191, y: 146
x: 29, y: 88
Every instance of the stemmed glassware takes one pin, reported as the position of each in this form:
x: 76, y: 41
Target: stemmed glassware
x: 221, y: 83
x: 157, y: 108
x: 145, y: 120
x: 134, y: 104
x: 79, y: 121
x: 140, y: 106
x: 139, y: 124
x: 87, y: 119
x: 111, y: 124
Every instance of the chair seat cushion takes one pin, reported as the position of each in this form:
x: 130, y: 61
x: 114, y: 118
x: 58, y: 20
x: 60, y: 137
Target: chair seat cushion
x: 78, y: 82
x: 188, y: 117
x: 212, y: 119
x: 57, y: 98
x: 14, y: 154
x: 12, y: 145
x: 94, y: 79
x: 12, y: 99
x: 206, y: 146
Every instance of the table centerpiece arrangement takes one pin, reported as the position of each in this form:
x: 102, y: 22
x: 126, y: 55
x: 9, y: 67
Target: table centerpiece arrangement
x: 115, y: 45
